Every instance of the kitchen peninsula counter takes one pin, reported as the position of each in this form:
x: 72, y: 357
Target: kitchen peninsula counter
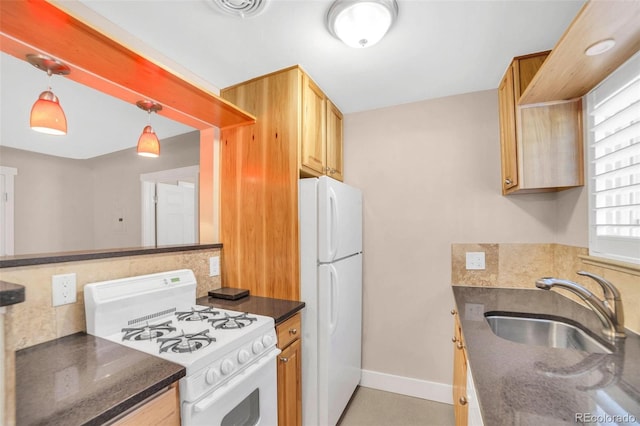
x: 532, y: 385
x: 85, y: 380
x: 10, y: 293
x: 279, y: 309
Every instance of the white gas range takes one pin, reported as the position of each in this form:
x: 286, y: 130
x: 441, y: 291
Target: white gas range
x: 229, y: 356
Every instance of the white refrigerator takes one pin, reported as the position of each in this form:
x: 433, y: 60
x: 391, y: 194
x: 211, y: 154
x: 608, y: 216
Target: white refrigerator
x: 331, y: 287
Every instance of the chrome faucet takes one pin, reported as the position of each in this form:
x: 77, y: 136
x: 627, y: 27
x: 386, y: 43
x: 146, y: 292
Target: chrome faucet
x: 608, y: 310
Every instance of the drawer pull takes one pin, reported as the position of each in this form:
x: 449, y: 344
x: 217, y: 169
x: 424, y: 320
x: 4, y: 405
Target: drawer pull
x: 508, y: 181
x: 463, y: 400
x: 293, y: 331
x: 284, y: 359
x: 454, y: 339
x: 453, y: 312
x: 459, y: 345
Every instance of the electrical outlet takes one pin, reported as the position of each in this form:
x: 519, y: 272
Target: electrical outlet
x: 214, y: 266
x: 63, y: 289
x: 475, y: 260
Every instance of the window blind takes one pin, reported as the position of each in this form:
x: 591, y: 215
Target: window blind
x: 613, y: 122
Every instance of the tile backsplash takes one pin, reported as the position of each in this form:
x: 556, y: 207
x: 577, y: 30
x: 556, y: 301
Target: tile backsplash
x: 520, y: 265
x: 36, y: 321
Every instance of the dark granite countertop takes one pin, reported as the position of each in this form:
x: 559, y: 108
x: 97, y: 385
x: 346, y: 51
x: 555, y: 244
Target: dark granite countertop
x: 10, y: 293
x: 520, y: 384
x: 76, y: 256
x: 85, y: 380
x: 280, y: 310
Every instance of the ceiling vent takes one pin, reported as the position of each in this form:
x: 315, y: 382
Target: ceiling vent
x: 240, y: 8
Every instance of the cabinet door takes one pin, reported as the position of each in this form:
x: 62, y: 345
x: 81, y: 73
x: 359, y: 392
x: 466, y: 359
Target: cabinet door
x: 460, y: 407
x: 313, y: 145
x: 163, y: 410
x: 290, y: 385
x: 334, y: 142
x: 508, y: 141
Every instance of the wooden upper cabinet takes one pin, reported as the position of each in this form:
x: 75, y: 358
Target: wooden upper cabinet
x: 335, y: 164
x: 260, y: 167
x: 508, y: 147
x: 541, y: 144
x: 321, y: 143
x: 313, y: 148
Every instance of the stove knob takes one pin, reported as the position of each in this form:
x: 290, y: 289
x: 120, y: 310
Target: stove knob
x: 243, y: 356
x: 257, y: 347
x: 267, y: 341
x: 226, y: 367
x: 211, y: 376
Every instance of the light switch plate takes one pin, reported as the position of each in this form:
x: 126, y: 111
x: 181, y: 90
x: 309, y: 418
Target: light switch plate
x: 475, y: 260
x: 214, y: 266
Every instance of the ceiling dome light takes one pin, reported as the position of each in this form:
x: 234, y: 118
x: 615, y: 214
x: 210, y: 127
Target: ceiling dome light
x: 600, y: 47
x: 47, y: 115
x: 148, y: 143
x: 361, y: 23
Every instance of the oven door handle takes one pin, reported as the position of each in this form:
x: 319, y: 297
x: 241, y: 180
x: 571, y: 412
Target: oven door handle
x: 205, y: 403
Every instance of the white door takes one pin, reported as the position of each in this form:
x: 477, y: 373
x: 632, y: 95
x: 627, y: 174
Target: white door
x: 339, y: 220
x: 175, y: 212
x: 339, y: 336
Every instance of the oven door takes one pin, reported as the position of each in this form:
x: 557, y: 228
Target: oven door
x: 250, y: 398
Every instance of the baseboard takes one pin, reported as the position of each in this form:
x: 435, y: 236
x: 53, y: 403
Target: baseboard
x: 424, y: 389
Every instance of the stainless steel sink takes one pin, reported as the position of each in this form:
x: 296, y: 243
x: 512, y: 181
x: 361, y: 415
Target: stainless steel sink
x: 543, y: 332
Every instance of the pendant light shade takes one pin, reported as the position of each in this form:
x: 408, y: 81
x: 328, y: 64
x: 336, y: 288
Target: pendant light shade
x: 47, y: 115
x: 148, y: 143
x: 361, y: 23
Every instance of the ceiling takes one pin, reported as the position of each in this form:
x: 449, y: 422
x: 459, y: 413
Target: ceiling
x: 434, y: 49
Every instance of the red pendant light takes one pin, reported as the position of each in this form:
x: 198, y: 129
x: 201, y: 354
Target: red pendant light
x: 47, y: 115
x: 148, y: 143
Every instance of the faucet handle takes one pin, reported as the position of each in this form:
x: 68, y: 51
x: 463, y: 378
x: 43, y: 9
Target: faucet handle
x: 611, y: 293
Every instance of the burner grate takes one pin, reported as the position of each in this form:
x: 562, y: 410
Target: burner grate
x: 186, y: 342
x: 147, y: 332
x: 232, y: 321
x: 197, y: 314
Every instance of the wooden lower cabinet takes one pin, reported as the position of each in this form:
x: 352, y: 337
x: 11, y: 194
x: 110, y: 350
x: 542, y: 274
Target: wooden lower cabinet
x: 460, y: 406
x: 161, y: 410
x: 290, y: 372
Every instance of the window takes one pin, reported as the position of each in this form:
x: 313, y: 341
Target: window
x: 613, y: 123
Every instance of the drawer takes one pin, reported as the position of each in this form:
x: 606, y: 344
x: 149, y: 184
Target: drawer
x: 289, y: 331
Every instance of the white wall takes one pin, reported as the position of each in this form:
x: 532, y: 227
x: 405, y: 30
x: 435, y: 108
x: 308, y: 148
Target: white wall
x: 430, y: 174
x: 64, y: 204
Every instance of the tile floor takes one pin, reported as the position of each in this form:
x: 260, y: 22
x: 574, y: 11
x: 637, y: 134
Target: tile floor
x: 371, y: 407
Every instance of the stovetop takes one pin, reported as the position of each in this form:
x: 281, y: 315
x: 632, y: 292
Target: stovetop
x: 157, y: 314
x: 197, y: 337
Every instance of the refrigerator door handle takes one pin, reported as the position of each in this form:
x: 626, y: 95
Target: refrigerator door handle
x: 333, y: 228
x: 333, y: 299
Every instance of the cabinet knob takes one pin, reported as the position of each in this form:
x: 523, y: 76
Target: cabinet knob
x: 508, y: 181
x: 293, y: 331
x: 284, y: 359
x: 459, y: 345
x: 463, y: 400
x: 453, y: 312
x: 454, y: 339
